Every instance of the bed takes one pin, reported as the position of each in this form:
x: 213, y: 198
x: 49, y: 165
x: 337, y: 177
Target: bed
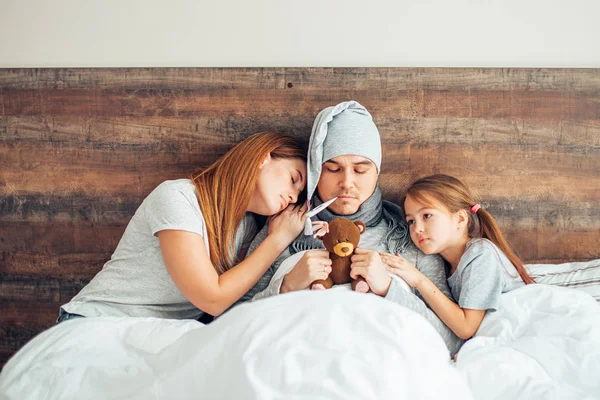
x: 81, y: 148
x: 543, y: 343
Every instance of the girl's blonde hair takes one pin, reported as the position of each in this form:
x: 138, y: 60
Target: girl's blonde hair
x: 225, y: 188
x: 455, y: 195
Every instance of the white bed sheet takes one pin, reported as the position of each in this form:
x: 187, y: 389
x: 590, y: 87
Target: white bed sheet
x: 308, y: 345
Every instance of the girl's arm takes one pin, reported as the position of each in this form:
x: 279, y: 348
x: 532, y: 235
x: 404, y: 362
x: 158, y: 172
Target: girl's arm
x: 463, y: 322
x: 190, y: 267
x: 399, y: 295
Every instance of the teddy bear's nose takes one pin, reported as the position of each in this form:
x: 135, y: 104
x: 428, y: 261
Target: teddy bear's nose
x: 345, y: 249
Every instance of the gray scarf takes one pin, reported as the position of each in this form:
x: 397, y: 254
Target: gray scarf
x: 370, y: 212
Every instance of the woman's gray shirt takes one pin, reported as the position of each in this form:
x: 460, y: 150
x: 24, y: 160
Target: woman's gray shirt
x: 135, y: 281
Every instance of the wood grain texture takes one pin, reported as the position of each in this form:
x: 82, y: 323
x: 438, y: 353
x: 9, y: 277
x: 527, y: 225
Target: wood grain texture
x: 81, y: 148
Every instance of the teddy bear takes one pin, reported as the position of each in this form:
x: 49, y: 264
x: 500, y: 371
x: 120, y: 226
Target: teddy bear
x: 341, y: 239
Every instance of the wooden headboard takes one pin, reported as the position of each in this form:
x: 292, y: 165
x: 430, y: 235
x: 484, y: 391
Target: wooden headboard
x: 81, y: 148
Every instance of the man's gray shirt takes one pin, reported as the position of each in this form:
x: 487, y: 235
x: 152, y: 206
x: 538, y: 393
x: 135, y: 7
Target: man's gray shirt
x: 431, y: 266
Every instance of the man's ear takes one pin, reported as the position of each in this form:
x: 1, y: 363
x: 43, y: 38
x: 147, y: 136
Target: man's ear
x: 361, y: 226
x: 266, y: 160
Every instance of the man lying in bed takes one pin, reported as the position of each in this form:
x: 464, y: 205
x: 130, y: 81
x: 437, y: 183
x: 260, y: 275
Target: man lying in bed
x: 344, y: 161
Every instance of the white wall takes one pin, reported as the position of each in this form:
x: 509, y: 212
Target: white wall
x: 233, y: 33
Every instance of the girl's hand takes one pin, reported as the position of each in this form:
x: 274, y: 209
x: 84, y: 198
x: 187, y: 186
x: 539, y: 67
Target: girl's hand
x: 313, y: 266
x: 398, y: 265
x: 368, y: 264
x: 288, y: 224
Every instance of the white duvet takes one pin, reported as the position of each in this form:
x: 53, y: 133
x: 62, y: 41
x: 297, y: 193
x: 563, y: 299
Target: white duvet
x: 544, y: 343
x: 305, y: 345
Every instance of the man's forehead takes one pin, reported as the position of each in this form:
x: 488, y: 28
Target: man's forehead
x: 349, y: 159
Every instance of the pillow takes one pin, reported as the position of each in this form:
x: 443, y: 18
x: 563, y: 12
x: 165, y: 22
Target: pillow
x: 583, y: 276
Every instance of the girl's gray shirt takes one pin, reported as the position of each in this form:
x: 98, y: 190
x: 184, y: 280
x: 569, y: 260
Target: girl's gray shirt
x: 482, y: 275
x: 135, y: 281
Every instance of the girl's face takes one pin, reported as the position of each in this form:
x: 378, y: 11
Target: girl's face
x: 433, y: 228
x: 279, y: 183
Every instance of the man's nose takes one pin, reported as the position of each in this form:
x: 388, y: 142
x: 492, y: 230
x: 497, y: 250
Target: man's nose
x: 347, y: 180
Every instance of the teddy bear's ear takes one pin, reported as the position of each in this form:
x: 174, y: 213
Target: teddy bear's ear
x: 320, y: 229
x: 361, y: 226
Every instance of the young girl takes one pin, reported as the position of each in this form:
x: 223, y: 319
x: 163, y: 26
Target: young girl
x: 444, y: 219
x: 182, y: 253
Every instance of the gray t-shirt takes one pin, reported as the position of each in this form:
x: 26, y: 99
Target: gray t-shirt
x: 482, y: 275
x: 135, y: 281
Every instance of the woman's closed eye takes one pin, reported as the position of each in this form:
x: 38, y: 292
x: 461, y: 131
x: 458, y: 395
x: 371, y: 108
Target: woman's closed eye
x: 296, y: 177
x: 332, y: 170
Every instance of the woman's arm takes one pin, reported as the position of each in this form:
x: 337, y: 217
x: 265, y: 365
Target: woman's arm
x: 190, y: 268
x: 189, y: 265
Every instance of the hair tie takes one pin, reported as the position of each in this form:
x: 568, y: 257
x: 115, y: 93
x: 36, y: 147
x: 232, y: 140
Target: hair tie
x: 475, y: 208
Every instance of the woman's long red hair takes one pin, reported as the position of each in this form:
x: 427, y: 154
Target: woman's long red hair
x: 225, y: 188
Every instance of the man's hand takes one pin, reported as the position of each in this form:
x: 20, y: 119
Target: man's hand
x: 313, y: 266
x: 368, y: 264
